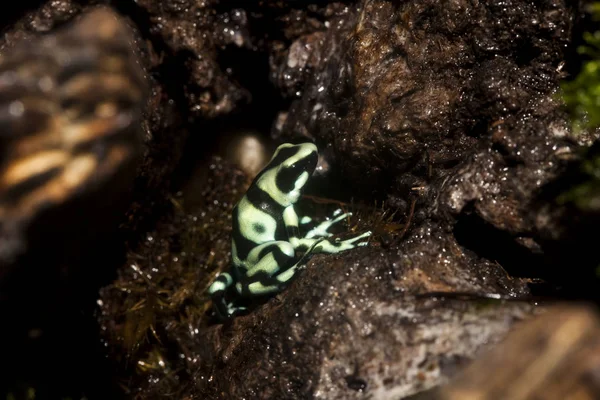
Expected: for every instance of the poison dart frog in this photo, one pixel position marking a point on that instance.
(265, 235)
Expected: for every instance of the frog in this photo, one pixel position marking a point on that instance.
(267, 249)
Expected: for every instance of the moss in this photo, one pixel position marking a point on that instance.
(582, 95)
(582, 98)
(153, 311)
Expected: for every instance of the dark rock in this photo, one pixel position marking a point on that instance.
(565, 216)
(193, 34)
(431, 260)
(346, 329)
(500, 181)
(405, 92)
(301, 55)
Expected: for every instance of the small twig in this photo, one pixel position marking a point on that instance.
(323, 200)
(410, 216)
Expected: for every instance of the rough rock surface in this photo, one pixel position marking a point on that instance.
(192, 33)
(453, 99)
(348, 329)
(386, 349)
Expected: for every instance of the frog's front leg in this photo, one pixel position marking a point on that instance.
(317, 235)
(322, 245)
(321, 230)
(291, 221)
(313, 246)
(270, 261)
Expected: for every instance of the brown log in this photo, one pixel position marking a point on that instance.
(555, 356)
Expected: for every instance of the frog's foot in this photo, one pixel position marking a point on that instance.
(224, 310)
(234, 310)
(348, 244)
(305, 220)
(321, 230)
(357, 238)
(230, 311)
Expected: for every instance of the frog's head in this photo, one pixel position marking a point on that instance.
(288, 171)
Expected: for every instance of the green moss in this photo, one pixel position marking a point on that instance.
(582, 95)
(582, 98)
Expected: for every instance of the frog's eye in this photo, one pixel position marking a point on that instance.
(295, 175)
(286, 178)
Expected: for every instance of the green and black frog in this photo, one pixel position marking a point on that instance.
(267, 249)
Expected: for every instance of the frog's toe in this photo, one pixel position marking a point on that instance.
(232, 309)
(364, 235)
(359, 237)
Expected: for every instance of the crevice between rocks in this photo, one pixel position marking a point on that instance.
(475, 234)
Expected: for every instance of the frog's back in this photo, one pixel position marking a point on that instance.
(257, 219)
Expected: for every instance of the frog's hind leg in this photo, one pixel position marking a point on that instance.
(321, 230)
(283, 277)
(217, 293)
(273, 259)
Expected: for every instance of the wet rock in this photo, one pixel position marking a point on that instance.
(394, 352)
(347, 329)
(500, 181)
(431, 260)
(411, 95)
(301, 55)
(193, 34)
